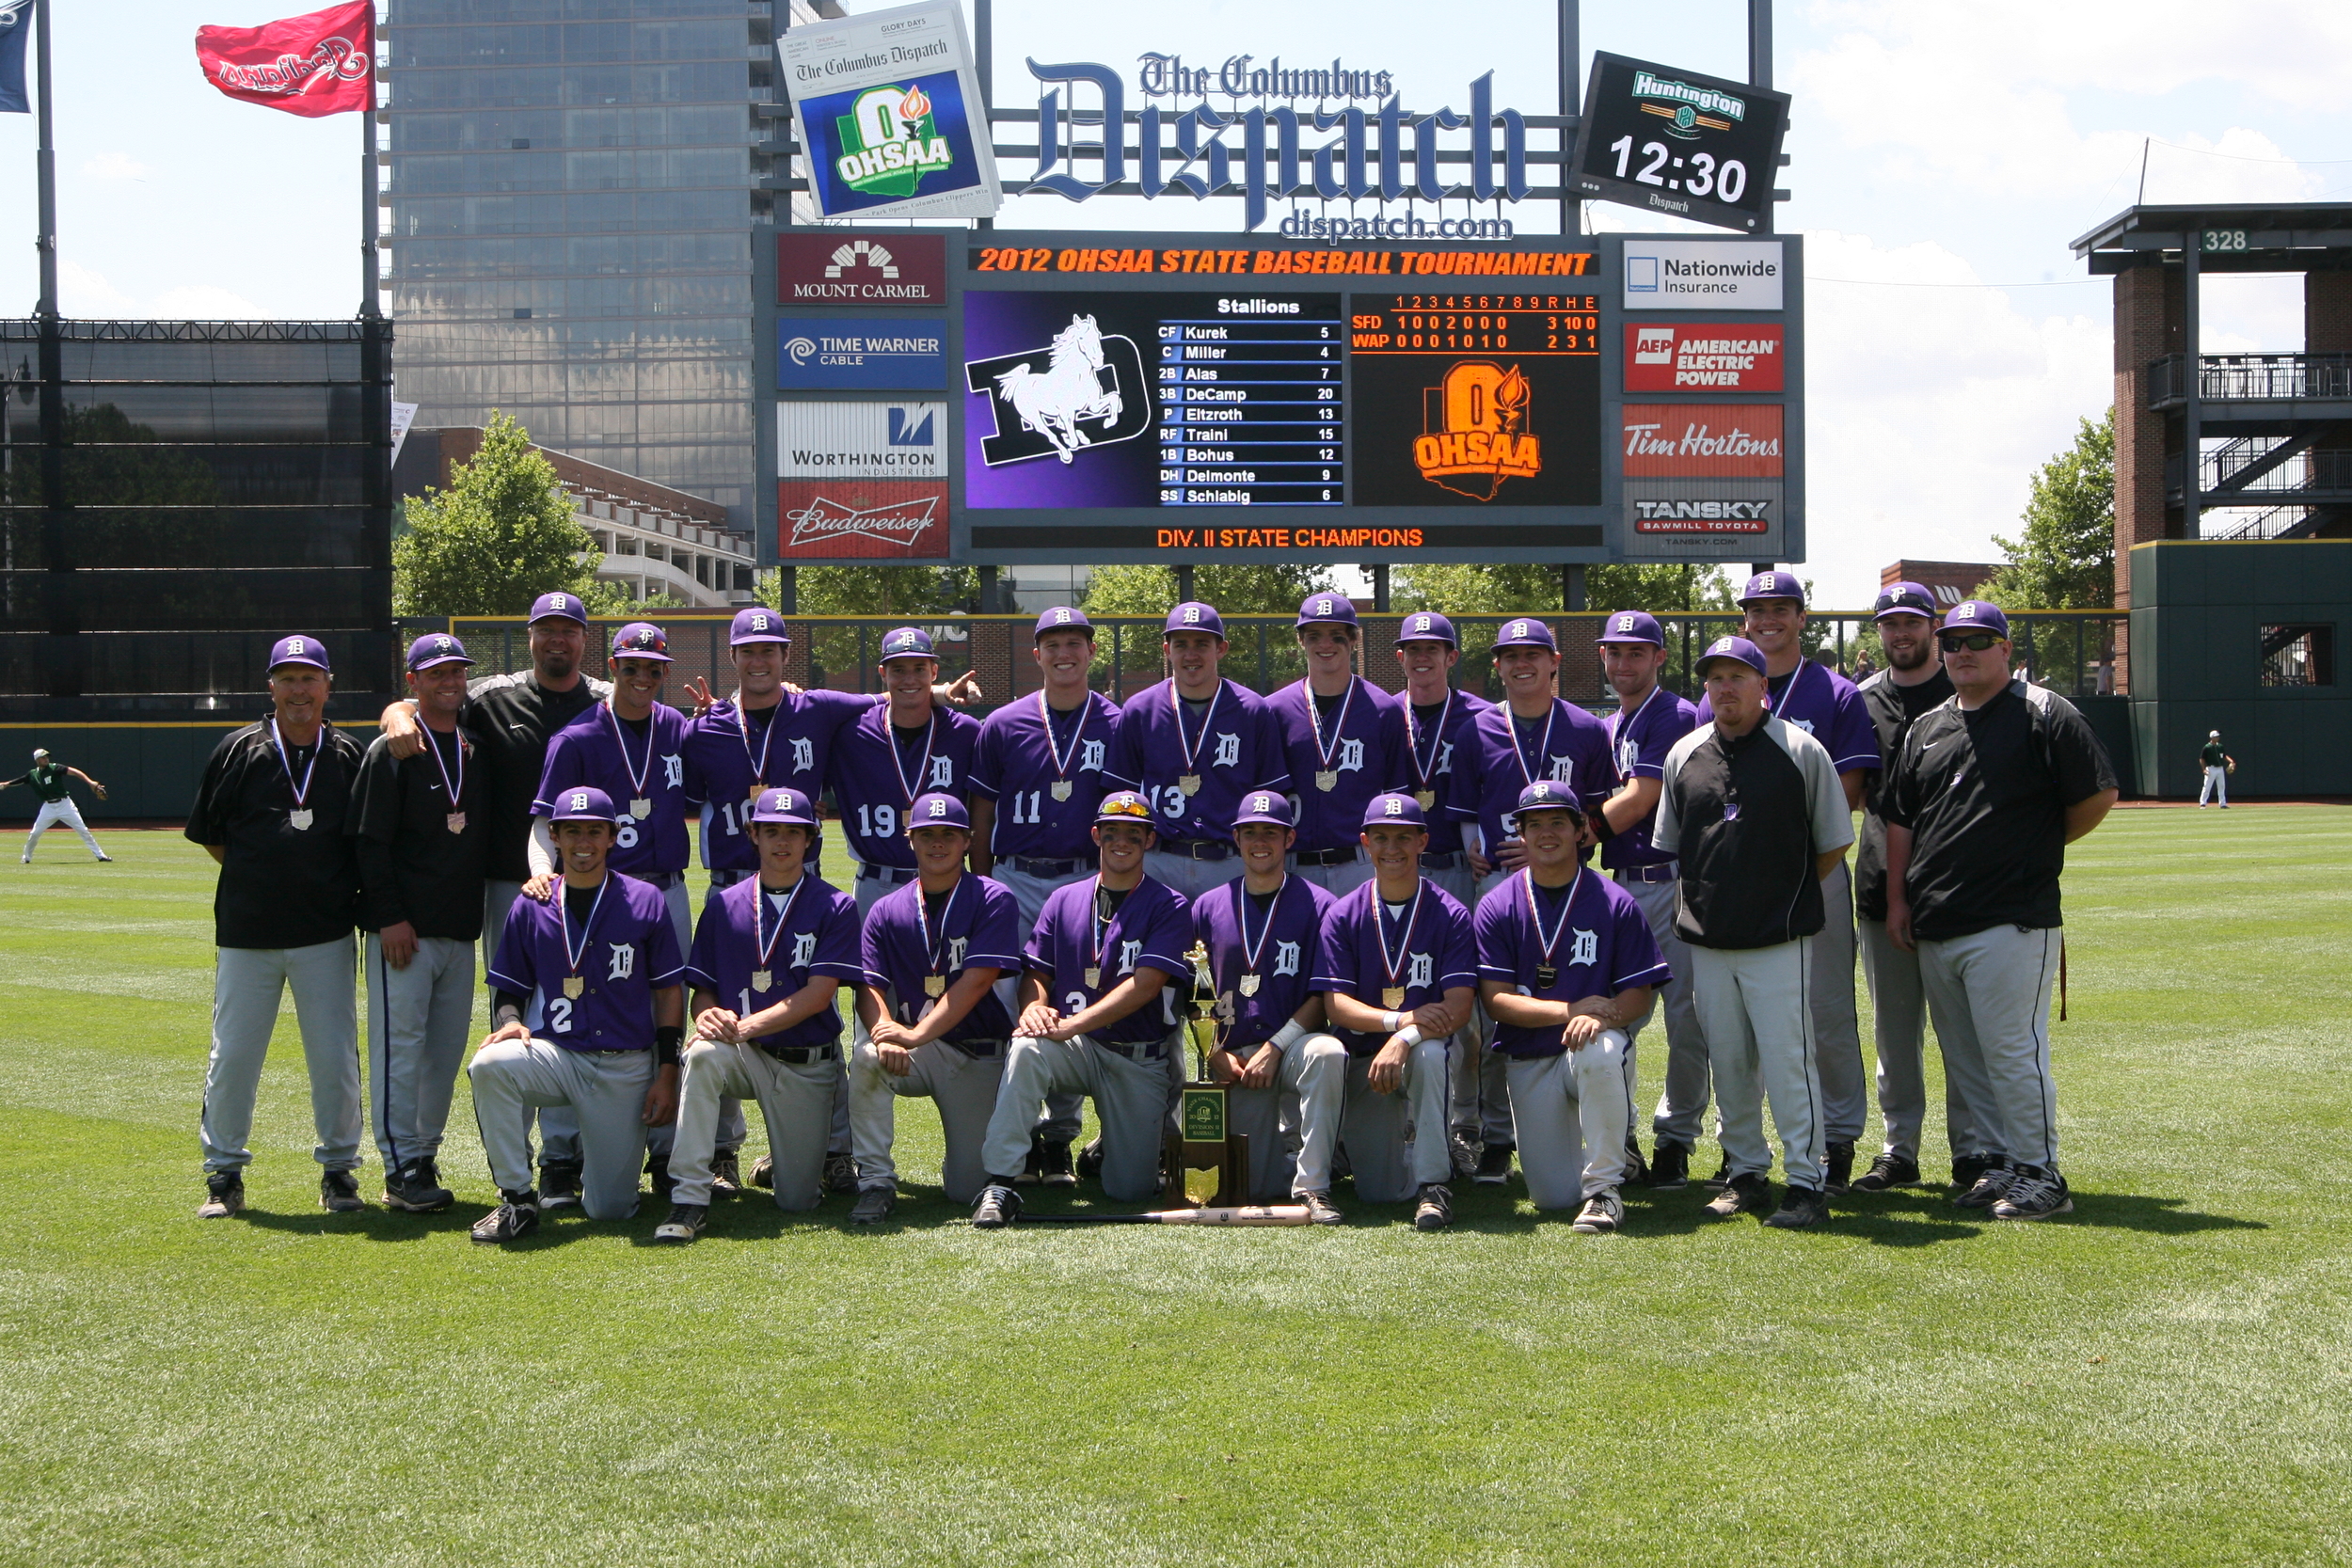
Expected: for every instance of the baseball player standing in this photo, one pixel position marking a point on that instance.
(590, 1014)
(2219, 764)
(1344, 742)
(53, 781)
(421, 838)
(273, 810)
(895, 751)
(1263, 931)
(1753, 807)
(1991, 788)
(1649, 721)
(1569, 968)
(1818, 700)
(768, 957)
(1192, 745)
(933, 1016)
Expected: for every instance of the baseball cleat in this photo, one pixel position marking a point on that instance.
(1990, 1189)
(1090, 1161)
(106, 860)
(516, 1216)
(1837, 1158)
(840, 1174)
(684, 1223)
(1741, 1194)
(1601, 1215)
(1054, 1165)
(1888, 1170)
(658, 1172)
(1435, 1210)
(2035, 1193)
(559, 1187)
(1721, 1177)
(224, 1194)
(874, 1205)
(1636, 1168)
(1966, 1168)
(1669, 1166)
(1465, 1151)
(1494, 1166)
(339, 1193)
(998, 1207)
(1033, 1165)
(764, 1173)
(726, 1173)
(416, 1189)
(1320, 1209)
(1800, 1207)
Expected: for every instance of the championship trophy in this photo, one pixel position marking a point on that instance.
(1206, 1164)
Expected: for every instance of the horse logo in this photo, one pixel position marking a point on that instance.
(1086, 389)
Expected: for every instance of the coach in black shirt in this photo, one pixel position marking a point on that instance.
(1754, 809)
(421, 836)
(273, 809)
(1988, 792)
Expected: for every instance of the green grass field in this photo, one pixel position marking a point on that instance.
(2162, 1377)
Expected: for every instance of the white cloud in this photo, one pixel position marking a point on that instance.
(205, 302)
(113, 165)
(93, 295)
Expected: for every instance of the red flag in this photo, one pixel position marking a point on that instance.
(319, 64)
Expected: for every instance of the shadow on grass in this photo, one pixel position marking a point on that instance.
(2163, 1216)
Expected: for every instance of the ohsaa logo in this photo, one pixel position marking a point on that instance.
(889, 142)
(1482, 438)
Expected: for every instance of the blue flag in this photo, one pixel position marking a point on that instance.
(16, 30)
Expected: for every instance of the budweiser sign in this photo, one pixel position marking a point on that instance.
(319, 64)
(873, 520)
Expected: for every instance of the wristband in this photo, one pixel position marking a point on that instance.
(667, 1038)
(1410, 1034)
(1391, 1023)
(1288, 1036)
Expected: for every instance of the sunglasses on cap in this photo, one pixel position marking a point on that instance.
(1134, 809)
(1975, 641)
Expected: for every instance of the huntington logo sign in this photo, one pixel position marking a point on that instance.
(1688, 109)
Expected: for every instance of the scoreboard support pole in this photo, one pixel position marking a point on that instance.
(1572, 586)
(1379, 590)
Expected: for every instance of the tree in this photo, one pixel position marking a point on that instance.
(1532, 587)
(915, 591)
(1234, 590)
(500, 536)
(2066, 558)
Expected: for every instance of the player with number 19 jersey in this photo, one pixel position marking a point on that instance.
(879, 768)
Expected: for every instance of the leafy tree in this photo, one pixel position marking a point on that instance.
(500, 536)
(2065, 559)
(1234, 590)
(920, 592)
(1509, 588)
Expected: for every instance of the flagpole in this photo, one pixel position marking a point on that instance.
(45, 165)
(368, 303)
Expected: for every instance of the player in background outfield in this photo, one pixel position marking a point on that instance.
(1531, 735)
(1913, 682)
(273, 810)
(1569, 968)
(1990, 789)
(53, 781)
(2219, 764)
(1818, 700)
(418, 829)
(1037, 775)
(1753, 808)
(1193, 746)
(1344, 742)
(1649, 721)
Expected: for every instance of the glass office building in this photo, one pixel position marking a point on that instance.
(573, 189)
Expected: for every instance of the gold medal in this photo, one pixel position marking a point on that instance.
(1249, 985)
(1188, 782)
(1546, 977)
(758, 789)
(641, 808)
(761, 979)
(1062, 789)
(1093, 977)
(300, 820)
(573, 985)
(1326, 779)
(1392, 998)
(934, 984)
(1425, 798)
(457, 822)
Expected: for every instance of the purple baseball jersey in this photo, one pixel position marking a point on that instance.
(1277, 944)
(1430, 946)
(1825, 705)
(788, 937)
(1600, 944)
(789, 743)
(1358, 742)
(1638, 744)
(1507, 754)
(1152, 929)
(877, 775)
(1433, 742)
(600, 749)
(626, 950)
(1025, 750)
(1236, 746)
(977, 927)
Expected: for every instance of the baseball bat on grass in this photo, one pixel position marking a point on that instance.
(1278, 1213)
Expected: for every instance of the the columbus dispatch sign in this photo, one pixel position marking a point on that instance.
(887, 109)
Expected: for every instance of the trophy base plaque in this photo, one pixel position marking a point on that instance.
(1204, 1165)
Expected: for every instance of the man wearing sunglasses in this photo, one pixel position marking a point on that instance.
(1988, 790)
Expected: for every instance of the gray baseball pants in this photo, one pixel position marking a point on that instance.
(1681, 1114)
(419, 1021)
(1836, 1026)
(247, 983)
(1065, 1114)
(1572, 1112)
(1899, 1008)
(1187, 875)
(1337, 881)
(966, 1089)
(605, 1092)
(795, 1101)
(1482, 1084)
(1759, 1043)
(1313, 1070)
(1395, 1142)
(1990, 993)
(1132, 1100)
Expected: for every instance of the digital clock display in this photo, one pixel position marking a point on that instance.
(1674, 141)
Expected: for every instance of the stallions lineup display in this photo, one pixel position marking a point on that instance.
(1416, 977)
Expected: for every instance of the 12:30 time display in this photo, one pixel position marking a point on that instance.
(1725, 181)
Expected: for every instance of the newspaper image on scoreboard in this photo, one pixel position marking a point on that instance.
(887, 109)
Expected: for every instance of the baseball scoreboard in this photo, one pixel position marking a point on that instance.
(997, 398)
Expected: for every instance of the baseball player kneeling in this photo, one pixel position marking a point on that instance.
(770, 954)
(590, 1014)
(1567, 965)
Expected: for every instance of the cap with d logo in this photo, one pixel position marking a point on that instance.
(1427, 626)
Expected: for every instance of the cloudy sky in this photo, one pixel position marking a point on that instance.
(1944, 155)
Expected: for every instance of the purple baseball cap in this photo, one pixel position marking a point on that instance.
(641, 640)
(1327, 609)
(436, 647)
(907, 643)
(1192, 615)
(1125, 805)
(1740, 648)
(299, 650)
(1392, 808)
(1903, 599)
(783, 805)
(1549, 794)
(1062, 618)
(1633, 625)
(1427, 626)
(1975, 615)
(938, 811)
(1526, 633)
(1774, 585)
(583, 803)
(758, 625)
(565, 607)
(1265, 805)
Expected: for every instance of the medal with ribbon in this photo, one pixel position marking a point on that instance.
(1190, 780)
(1327, 776)
(299, 818)
(1424, 769)
(764, 975)
(922, 769)
(1060, 754)
(1392, 995)
(1547, 972)
(1098, 933)
(935, 983)
(454, 788)
(573, 953)
(640, 803)
(767, 737)
(1250, 950)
